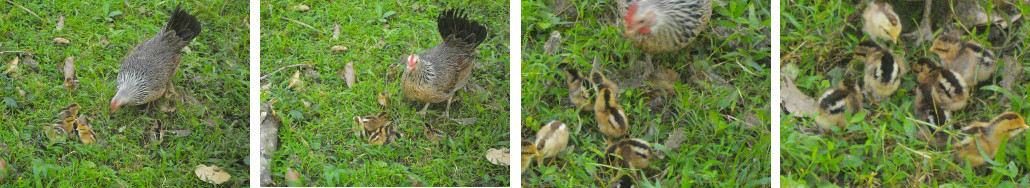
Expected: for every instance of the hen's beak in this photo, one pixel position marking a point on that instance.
(114, 106)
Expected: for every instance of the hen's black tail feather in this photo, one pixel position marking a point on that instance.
(454, 24)
(185, 25)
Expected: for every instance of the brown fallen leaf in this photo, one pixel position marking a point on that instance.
(212, 174)
(295, 81)
(336, 31)
(63, 41)
(348, 74)
(71, 83)
(301, 8)
(794, 101)
(339, 48)
(4, 170)
(675, 139)
(60, 22)
(103, 41)
(179, 133)
(293, 178)
(498, 156)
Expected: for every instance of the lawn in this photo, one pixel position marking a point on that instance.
(212, 80)
(879, 148)
(317, 109)
(722, 106)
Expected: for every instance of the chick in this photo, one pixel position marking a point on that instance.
(384, 99)
(635, 153)
(578, 93)
(371, 123)
(599, 81)
(611, 118)
(836, 102)
(551, 139)
(970, 59)
(865, 49)
(384, 134)
(432, 134)
(883, 74)
(880, 21)
(86, 134)
(528, 152)
(987, 137)
(949, 90)
(927, 110)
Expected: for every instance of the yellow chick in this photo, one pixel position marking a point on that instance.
(970, 59)
(432, 134)
(635, 153)
(528, 152)
(836, 102)
(384, 99)
(880, 21)
(987, 137)
(578, 94)
(611, 118)
(949, 90)
(883, 74)
(599, 81)
(551, 139)
(384, 134)
(86, 134)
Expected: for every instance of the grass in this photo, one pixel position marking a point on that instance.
(214, 73)
(316, 137)
(883, 150)
(720, 149)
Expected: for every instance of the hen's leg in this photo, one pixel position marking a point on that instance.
(924, 33)
(423, 111)
(447, 111)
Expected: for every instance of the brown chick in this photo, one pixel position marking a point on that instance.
(528, 152)
(836, 102)
(67, 117)
(436, 74)
(371, 123)
(987, 137)
(635, 153)
(384, 99)
(880, 21)
(432, 134)
(883, 74)
(949, 90)
(578, 94)
(970, 59)
(611, 118)
(551, 139)
(599, 80)
(385, 134)
(928, 111)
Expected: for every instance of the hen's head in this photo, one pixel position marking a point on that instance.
(412, 61)
(639, 19)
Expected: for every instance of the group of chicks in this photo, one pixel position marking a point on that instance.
(379, 129)
(941, 87)
(598, 94)
(71, 125)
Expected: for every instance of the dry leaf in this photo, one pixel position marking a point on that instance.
(553, 44)
(63, 41)
(4, 170)
(795, 102)
(103, 41)
(292, 178)
(415, 181)
(30, 64)
(464, 121)
(186, 50)
(71, 83)
(295, 80)
(13, 67)
(339, 48)
(179, 133)
(348, 74)
(212, 174)
(20, 91)
(60, 22)
(301, 8)
(336, 31)
(498, 156)
(675, 139)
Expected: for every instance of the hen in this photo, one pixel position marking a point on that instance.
(436, 74)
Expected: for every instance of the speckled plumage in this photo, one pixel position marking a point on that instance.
(439, 72)
(146, 73)
(676, 24)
